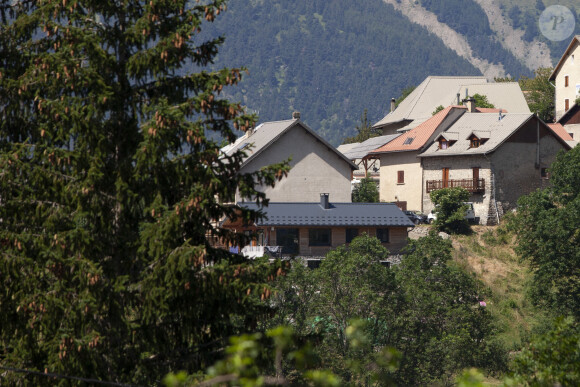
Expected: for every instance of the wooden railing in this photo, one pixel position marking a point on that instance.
(472, 185)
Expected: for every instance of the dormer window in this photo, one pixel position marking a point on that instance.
(474, 142)
(443, 143)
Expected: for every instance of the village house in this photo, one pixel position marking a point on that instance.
(566, 78)
(401, 173)
(497, 157)
(316, 166)
(313, 229)
(437, 91)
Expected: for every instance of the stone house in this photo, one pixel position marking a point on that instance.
(497, 157)
(401, 172)
(566, 78)
(313, 229)
(316, 166)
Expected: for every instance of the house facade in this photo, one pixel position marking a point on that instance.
(316, 166)
(313, 229)
(401, 173)
(566, 78)
(498, 158)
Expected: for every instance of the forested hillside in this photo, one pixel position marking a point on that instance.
(329, 60)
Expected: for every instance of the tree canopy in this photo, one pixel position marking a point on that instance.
(110, 174)
(546, 226)
(366, 191)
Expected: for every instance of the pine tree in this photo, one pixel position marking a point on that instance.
(110, 174)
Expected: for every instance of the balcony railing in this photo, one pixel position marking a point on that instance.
(472, 185)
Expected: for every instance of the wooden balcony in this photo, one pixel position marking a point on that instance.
(472, 185)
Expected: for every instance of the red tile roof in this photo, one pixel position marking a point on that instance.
(419, 134)
(560, 131)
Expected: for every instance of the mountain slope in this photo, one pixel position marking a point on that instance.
(328, 59)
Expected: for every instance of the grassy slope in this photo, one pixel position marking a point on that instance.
(488, 254)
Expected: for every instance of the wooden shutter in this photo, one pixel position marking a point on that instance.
(400, 177)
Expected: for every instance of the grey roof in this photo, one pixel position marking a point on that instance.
(339, 214)
(361, 149)
(485, 124)
(435, 91)
(257, 140)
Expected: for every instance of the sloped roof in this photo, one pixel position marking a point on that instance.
(255, 141)
(339, 214)
(362, 149)
(499, 131)
(575, 40)
(437, 91)
(416, 138)
(507, 96)
(562, 133)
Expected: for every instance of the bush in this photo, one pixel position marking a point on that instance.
(450, 210)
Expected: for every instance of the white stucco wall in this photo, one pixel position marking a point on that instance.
(570, 67)
(315, 169)
(410, 191)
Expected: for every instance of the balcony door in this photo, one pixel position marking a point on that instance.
(445, 178)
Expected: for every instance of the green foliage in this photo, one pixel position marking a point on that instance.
(110, 174)
(441, 313)
(482, 101)
(426, 298)
(364, 131)
(546, 227)
(437, 109)
(450, 210)
(539, 93)
(551, 359)
(366, 191)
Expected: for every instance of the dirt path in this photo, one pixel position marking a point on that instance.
(455, 41)
(532, 54)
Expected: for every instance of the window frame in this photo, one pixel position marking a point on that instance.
(400, 177)
(380, 234)
(316, 239)
(348, 237)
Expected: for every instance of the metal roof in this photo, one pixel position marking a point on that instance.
(497, 130)
(362, 149)
(339, 214)
(437, 91)
(256, 140)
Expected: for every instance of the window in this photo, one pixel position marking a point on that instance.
(383, 235)
(566, 80)
(400, 177)
(443, 143)
(571, 135)
(409, 140)
(474, 142)
(544, 173)
(566, 104)
(319, 237)
(351, 233)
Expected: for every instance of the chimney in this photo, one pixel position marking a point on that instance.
(324, 203)
(393, 105)
(296, 115)
(500, 116)
(470, 103)
(458, 99)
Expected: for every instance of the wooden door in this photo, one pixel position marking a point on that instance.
(445, 177)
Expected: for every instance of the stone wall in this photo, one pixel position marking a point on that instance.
(460, 167)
